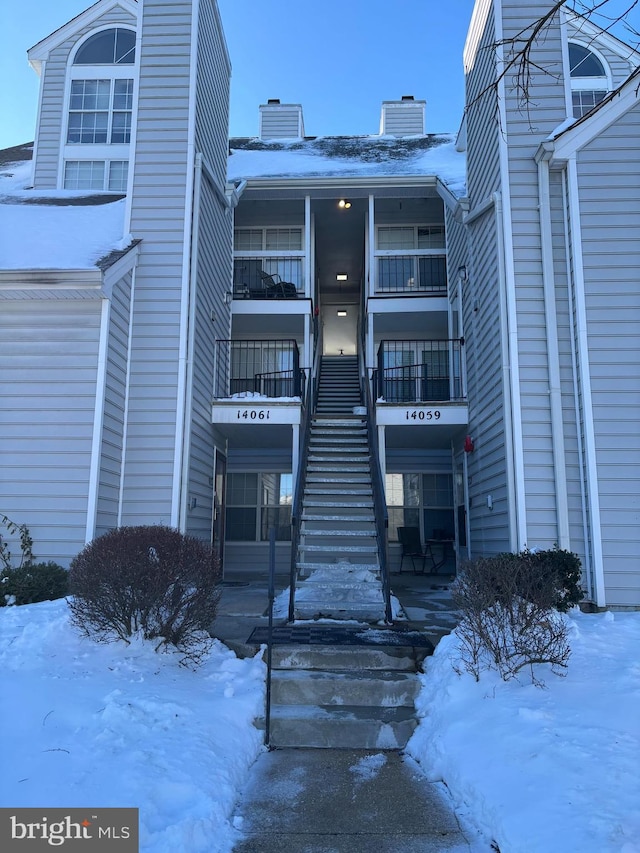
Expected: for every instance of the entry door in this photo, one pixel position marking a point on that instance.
(220, 479)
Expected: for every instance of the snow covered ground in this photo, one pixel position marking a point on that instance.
(115, 725)
(551, 770)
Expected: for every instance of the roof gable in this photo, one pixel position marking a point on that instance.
(40, 51)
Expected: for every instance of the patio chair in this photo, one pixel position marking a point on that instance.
(413, 548)
(276, 288)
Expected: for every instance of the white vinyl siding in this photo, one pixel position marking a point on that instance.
(609, 174)
(49, 354)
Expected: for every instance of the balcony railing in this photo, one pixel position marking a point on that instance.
(268, 277)
(412, 274)
(419, 371)
(266, 368)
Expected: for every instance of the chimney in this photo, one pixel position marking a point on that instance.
(405, 117)
(281, 121)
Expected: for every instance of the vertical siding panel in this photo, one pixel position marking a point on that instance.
(159, 208)
(114, 408)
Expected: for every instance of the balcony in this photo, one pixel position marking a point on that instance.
(411, 275)
(419, 371)
(268, 277)
(258, 368)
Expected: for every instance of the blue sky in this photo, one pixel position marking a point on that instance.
(338, 58)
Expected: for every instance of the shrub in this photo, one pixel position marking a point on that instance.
(509, 610)
(33, 582)
(148, 579)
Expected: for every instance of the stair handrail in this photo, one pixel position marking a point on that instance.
(379, 500)
(308, 408)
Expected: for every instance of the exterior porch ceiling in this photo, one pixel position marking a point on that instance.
(260, 325)
(266, 437)
(430, 325)
(265, 189)
(422, 437)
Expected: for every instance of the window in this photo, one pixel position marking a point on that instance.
(96, 175)
(110, 47)
(268, 239)
(100, 111)
(421, 500)
(257, 502)
(411, 259)
(589, 79)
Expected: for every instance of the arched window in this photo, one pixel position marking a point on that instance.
(110, 47)
(589, 79)
(100, 109)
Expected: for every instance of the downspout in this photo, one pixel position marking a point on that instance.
(582, 344)
(98, 421)
(553, 357)
(514, 543)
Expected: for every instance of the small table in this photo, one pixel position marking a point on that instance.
(447, 549)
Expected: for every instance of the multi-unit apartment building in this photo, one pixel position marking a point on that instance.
(485, 290)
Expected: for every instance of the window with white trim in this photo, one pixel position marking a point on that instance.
(96, 175)
(421, 500)
(589, 79)
(268, 239)
(255, 502)
(100, 111)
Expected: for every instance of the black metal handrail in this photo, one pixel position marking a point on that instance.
(240, 364)
(434, 372)
(379, 499)
(301, 477)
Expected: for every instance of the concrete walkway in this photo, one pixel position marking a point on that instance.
(343, 801)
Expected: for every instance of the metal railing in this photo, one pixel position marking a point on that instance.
(301, 478)
(253, 367)
(379, 498)
(419, 371)
(268, 277)
(412, 274)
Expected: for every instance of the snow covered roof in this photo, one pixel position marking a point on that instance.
(350, 156)
(55, 229)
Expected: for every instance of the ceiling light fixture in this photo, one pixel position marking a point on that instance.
(342, 276)
(342, 313)
(344, 203)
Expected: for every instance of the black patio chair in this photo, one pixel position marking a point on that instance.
(276, 288)
(413, 548)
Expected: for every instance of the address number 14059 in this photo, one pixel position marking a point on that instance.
(422, 415)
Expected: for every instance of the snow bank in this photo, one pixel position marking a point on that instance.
(116, 725)
(543, 770)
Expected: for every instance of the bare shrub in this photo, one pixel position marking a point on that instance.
(508, 607)
(149, 579)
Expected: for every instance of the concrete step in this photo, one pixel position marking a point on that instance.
(382, 688)
(336, 458)
(346, 518)
(316, 503)
(348, 478)
(342, 728)
(334, 490)
(349, 658)
(338, 549)
(306, 567)
(336, 532)
(349, 611)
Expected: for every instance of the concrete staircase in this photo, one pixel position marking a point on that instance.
(354, 687)
(356, 697)
(338, 572)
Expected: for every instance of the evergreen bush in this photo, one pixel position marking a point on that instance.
(33, 582)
